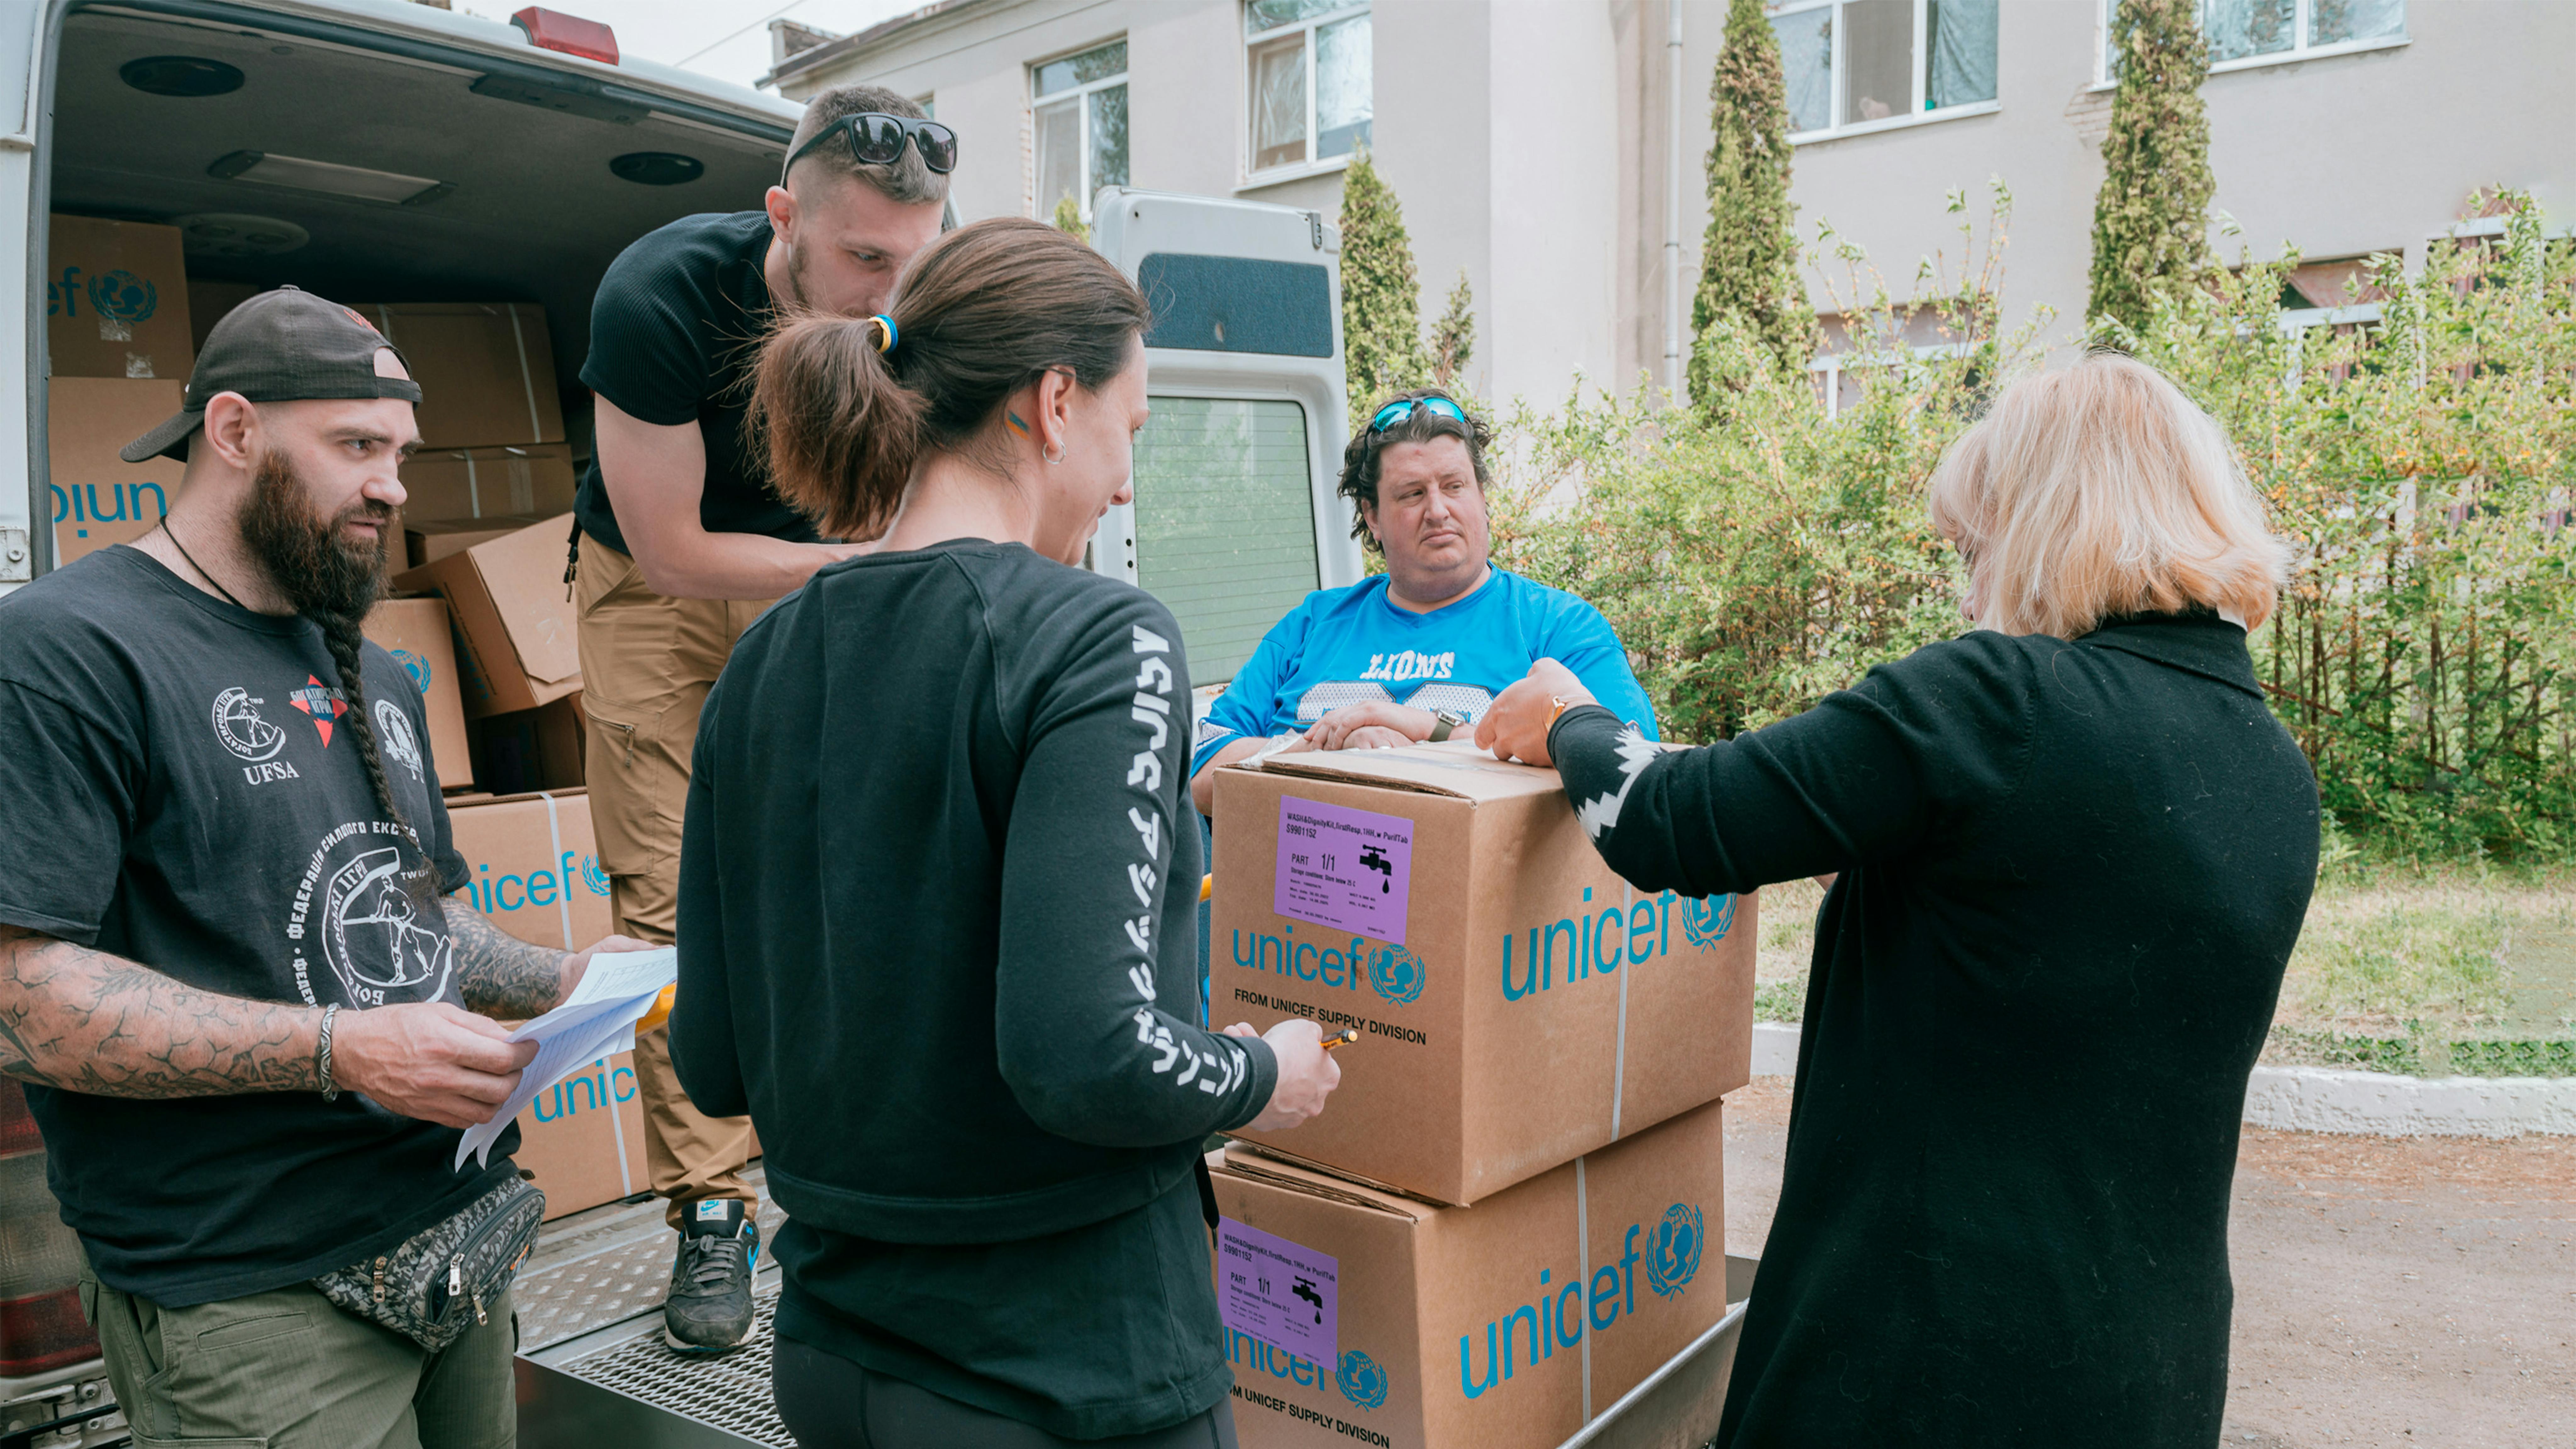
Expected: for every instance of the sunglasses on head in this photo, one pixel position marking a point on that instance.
(876, 139)
(1396, 412)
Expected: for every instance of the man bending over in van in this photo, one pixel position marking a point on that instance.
(681, 545)
(1418, 652)
(231, 975)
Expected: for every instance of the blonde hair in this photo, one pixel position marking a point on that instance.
(2100, 490)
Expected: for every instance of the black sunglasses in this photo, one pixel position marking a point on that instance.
(876, 139)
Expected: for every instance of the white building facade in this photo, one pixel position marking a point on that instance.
(1552, 149)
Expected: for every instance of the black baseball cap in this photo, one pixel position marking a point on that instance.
(282, 346)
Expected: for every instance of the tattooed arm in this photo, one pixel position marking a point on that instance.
(500, 974)
(88, 1021)
(503, 976)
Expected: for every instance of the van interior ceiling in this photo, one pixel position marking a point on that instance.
(484, 183)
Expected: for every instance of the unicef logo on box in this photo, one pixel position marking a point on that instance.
(1707, 921)
(1675, 1260)
(415, 666)
(1361, 1380)
(124, 296)
(1397, 974)
(592, 876)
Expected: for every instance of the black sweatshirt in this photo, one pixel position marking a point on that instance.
(937, 938)
(2072, 874)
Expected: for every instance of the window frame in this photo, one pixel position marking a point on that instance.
(1291, 171)
(1922, 56)
(1080, 97)
(2299, 51)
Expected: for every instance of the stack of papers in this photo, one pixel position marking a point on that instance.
(597, 1020)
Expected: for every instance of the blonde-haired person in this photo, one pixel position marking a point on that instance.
(2075, 850)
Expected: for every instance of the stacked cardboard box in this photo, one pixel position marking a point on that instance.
(514, 617)
(533, 869)
(416, 632)
(1525, 1145)
(116, 300)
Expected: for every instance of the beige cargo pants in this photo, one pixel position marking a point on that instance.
(646, 664)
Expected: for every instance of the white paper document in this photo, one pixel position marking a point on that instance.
(597, 1020)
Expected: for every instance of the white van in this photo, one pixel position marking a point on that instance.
(387, 152)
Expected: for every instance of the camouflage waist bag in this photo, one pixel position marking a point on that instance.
(438, 1282)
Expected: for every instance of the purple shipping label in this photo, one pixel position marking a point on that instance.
(1348, 869)
(1278, 1292)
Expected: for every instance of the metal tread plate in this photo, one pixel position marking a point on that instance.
(729, 1391)
(564, 1300)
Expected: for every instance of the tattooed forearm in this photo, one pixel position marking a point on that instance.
(88, 1021)
(501, 975)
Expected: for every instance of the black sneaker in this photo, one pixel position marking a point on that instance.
(709, 1309)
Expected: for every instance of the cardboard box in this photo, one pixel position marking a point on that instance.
(430, 540)
(512, 615)
(485, 369)
(116, 300)
(472, 483)
(98, 498)
(417, 633)
(582, 1140)
(535, 749)
(1519, 1004)
(533, 868)
(1507, 1325)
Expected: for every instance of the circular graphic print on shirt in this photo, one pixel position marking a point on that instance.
(239, 728)
(380, 941)
(394, 736)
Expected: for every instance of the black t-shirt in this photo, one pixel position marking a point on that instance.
(672, 339)
(182, 790)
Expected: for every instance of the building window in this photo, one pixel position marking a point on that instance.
(1307, 64)
(2266, 32)
(1861, 63)
(1081, 106)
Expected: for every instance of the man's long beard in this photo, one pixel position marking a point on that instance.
(321, 576)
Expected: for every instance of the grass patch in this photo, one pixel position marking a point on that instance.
(2439, 971)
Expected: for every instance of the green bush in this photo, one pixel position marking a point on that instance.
(2422, 464)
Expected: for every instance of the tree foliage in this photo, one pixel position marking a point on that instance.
(2151, 217)
(1382, 348)
(1750, 287)
(1452, 342)
(1068, 218)
(2422, 466)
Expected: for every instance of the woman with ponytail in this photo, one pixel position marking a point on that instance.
(937, 889)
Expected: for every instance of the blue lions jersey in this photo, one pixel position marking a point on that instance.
(1352, 646)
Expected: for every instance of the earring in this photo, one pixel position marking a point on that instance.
(1055, 457)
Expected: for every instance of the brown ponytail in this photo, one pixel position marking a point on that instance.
(981, 313)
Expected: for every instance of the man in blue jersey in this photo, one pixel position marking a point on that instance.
(1420, 651)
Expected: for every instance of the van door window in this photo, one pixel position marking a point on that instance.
(1225, 522)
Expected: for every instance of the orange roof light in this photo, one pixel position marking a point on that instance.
(570, 34)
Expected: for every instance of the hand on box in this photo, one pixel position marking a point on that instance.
(427, 1060)
(1307, 1073)
(1383, 722)
(1516, 726)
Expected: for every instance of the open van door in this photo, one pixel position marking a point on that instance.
(1235, 519)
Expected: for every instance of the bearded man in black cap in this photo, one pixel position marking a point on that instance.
(248, 1013)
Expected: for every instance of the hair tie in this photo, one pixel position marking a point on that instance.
(885, 342)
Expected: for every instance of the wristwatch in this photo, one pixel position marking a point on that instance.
(1444, 722)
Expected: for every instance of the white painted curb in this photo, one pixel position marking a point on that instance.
(2315, 1099)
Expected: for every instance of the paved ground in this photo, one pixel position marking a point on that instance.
(2388, 1291)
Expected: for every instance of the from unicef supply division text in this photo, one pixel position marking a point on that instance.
(1524, 1007)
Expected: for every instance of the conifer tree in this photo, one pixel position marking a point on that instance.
(1748, 280)
(1068, 218)
(2151, 220)
(1453, 337)
(1381, 295)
